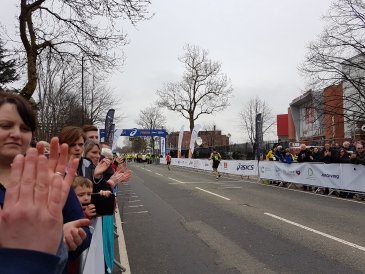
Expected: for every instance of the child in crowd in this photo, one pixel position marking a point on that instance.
(84, 188)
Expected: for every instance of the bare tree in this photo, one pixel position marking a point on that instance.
(204, 89)
(337, 58)
(151, 118)
(248, 118)
(138, 144)
(99, 99)
(59, 100)
(78, 29)
(56, 84)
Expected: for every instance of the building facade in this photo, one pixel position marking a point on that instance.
(210, 138)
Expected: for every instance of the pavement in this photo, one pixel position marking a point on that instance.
(120, 251)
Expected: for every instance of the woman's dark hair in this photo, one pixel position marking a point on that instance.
(23, 107)
(70, 134)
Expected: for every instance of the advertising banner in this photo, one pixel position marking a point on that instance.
(163, 146)
(337, 176)
(243, 168)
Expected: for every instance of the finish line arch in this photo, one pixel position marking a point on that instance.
(135, 132)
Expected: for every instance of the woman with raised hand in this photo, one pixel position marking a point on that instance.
(94, 169)
(32, 209)
(17, 125)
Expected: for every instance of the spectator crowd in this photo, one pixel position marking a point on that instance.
(336, 153)
(46, 226)
(348, 152)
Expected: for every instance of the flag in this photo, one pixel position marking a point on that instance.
(111, 135)
(194, 135)
(109, 130)
(181, 134)
(94, 263)
(117, 134)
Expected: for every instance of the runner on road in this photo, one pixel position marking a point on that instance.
(168, 160)
(216, 157)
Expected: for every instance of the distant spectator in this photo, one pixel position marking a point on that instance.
(304, 154)
(350, 148)
(358, 157)
(316, 155)
(343, 156)
(279, 154)
(288, 157)
(335, 151)
(326, 154)
(270, 156)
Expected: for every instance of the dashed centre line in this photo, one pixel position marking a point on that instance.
(175, 180)
(212, 193)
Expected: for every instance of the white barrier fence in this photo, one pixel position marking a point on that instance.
(243, 168)
(338, 176)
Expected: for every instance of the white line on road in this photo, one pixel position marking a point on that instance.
(134, 201)
(158, 174)
(137, 212)
(135, 205)
(225, 198)
(225, 187)
(175, 180)
(123, 256)
(317, 232)
(148, 170)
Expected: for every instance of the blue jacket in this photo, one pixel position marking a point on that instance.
(19, 261)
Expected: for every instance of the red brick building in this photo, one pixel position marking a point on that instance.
(316, 117)
(210, 138)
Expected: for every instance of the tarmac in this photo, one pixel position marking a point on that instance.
(121, 261)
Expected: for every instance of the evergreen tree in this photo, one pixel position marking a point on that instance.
(7, 67)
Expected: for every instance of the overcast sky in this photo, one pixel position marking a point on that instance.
(260, 44)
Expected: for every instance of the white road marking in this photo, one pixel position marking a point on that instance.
(137, 212)
(225, 187)
(175, 180)
(135, 206)
(121, 242)
(225, 198)
(317, 232)
(148, 170)
(158, 174)
(134, 201)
